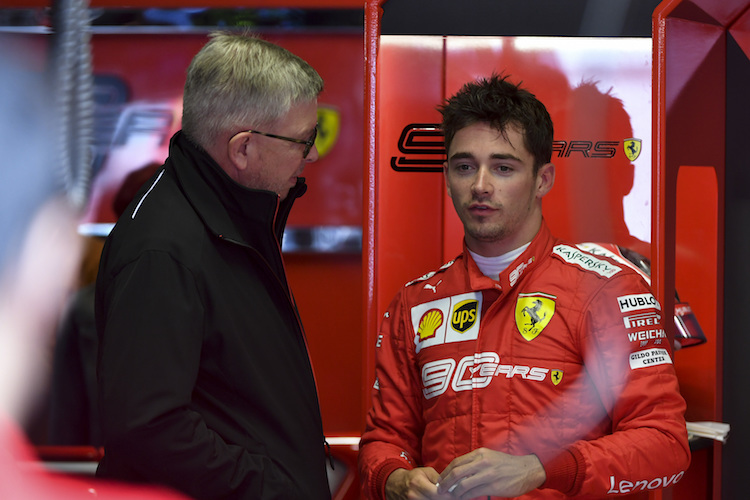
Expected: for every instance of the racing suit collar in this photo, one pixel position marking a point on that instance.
(537, 250)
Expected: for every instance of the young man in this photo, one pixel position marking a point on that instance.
(510, 372)
(205, 382)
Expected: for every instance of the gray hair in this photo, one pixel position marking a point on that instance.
(238, 81)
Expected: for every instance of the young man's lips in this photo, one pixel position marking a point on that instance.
(481, 208)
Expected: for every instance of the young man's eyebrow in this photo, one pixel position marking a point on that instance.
(495, 156)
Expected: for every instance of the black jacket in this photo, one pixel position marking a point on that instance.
(205, 382)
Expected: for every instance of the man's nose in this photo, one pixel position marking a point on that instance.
(482, 183)
(313, 155)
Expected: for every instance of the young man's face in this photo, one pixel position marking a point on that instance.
(494, 190)
(274, 164)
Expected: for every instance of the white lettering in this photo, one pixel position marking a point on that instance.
(637, 301)
(647, 335)
(586, 261)
(472, 372)
(517, 272)
(641, 320)
(625, 486)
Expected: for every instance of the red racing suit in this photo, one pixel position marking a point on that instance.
(564, 357)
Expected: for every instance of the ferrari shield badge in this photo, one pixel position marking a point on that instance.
(329, 124)
(632, 148)
(556, 376)
(534, 312)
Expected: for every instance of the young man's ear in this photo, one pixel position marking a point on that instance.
(545, 179)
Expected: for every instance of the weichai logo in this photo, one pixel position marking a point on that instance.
(464, 315)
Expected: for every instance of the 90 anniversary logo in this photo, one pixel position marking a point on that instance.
(423, 149)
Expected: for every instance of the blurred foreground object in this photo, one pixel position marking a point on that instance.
(39, 252)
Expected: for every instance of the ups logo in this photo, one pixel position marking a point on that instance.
(464, 315)
(424, 147)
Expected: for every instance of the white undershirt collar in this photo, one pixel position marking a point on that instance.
(493, 266)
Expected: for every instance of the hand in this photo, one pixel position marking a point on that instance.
(415, 484)
(487, 472)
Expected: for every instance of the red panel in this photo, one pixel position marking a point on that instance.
(152, 70)
(327, 289)
(696, 260)
(688, 220)
(408, 204)
(740, 31)
(149, 73)
(592, 123)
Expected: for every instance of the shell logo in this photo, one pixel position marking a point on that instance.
(429, 323)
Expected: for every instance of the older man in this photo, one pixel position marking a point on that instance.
(205, 379)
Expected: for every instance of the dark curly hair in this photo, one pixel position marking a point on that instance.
(500, 103)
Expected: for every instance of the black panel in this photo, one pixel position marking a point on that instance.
(736, 398)
(519, 17)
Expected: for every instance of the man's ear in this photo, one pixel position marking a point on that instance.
(545, 179)
(238, 149)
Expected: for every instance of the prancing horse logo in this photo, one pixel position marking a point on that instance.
(534, 312)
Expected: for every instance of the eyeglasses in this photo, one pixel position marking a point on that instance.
(308, 143)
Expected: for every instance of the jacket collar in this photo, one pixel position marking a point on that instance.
(539, 248)
(228, 209)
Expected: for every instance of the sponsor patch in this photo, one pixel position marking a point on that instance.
(642, 320)
(632, 485)
(586, 261)
(644, 335)
(649, 357)
(637, 302)
(533, 312)
(518, 271)
(429, 323)
(475, 371)
(556, 376)
(452, 319)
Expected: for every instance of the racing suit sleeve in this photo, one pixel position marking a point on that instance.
(631, 368)
(394, 425)
(151, 327)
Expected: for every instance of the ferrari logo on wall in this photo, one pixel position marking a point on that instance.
(534, 312)
(632, 148)
(329, 124)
